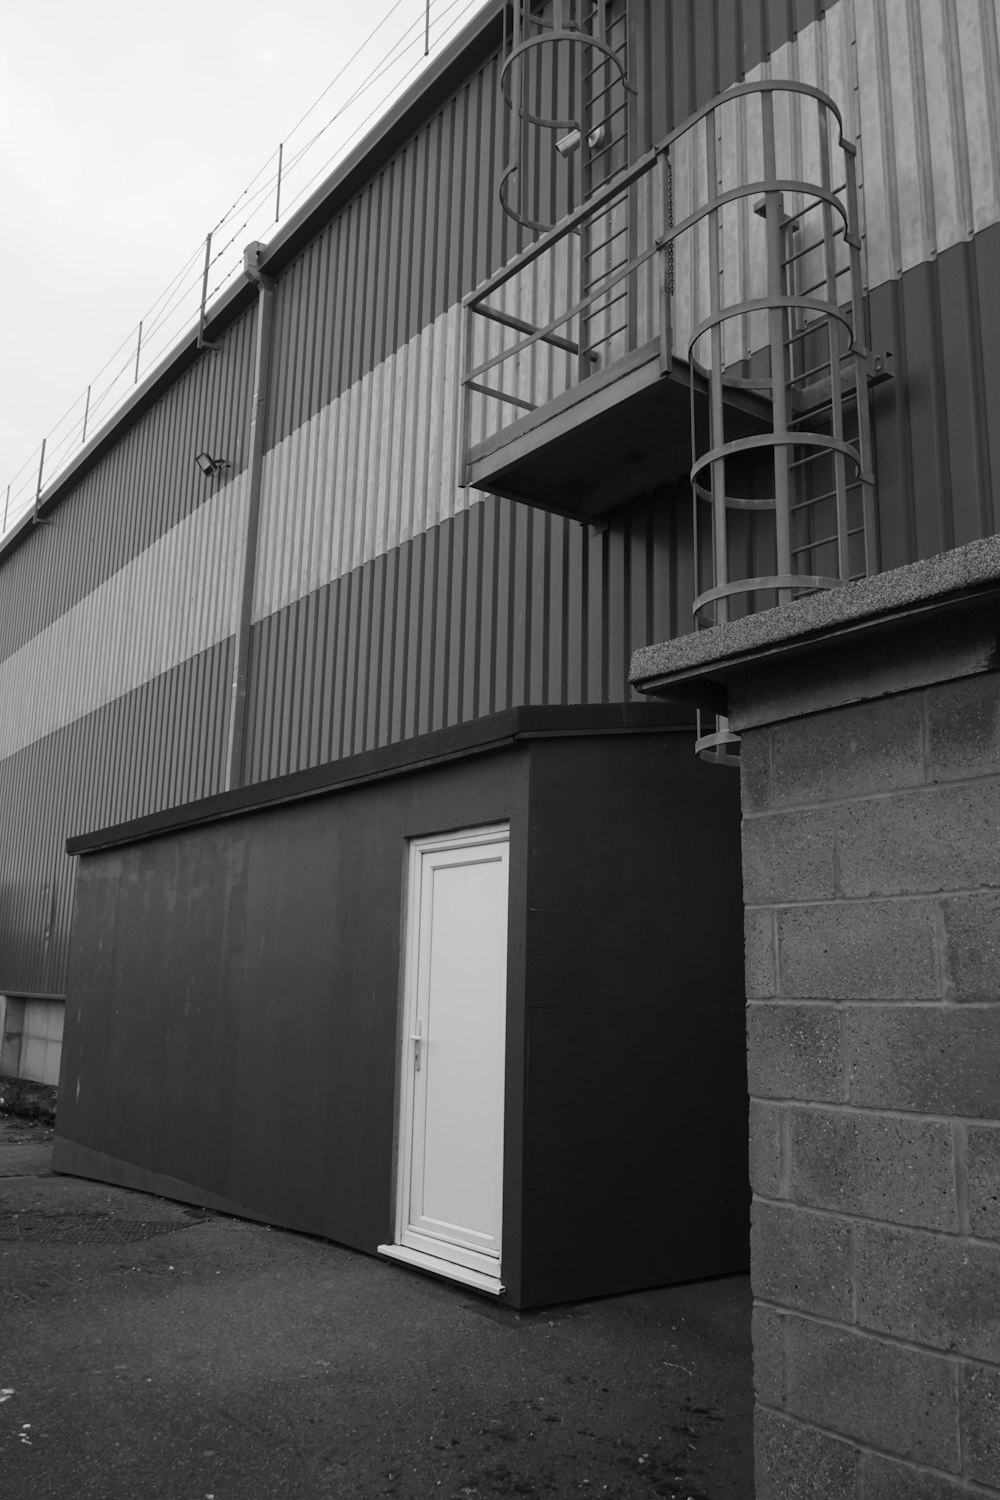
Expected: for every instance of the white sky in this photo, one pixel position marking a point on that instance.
(127, 129)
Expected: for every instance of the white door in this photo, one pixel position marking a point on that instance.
(450, 1188)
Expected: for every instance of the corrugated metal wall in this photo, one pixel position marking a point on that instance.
(918, 84)
(937, 423)
(500, 606)
(929, 96)
(152, 748)
(146, 484)
(390, 601)
(376, 466)
(111, 703)
(411, 244)
(429, 227)
(925, 115)
(172, 601)
(697, 48)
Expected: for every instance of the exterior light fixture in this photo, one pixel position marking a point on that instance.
(210, 466)
(567, 144)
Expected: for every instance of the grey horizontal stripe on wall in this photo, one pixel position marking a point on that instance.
(496, 607)
(146, 485)
(425, 231)
(429, 227)
(938, 461)
(499, 606)
(162, 744)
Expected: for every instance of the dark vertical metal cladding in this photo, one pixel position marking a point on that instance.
(138, 490)
(936, 423)
(599, 1020)
(427, 229)
(491, 606)
(213, 891)
(501, 605)
(162, 743)
(233, 914)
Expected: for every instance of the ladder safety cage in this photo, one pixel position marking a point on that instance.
(565, 74)
(743, 275)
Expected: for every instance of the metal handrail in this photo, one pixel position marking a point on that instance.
(787, 509)
(639, 168)
(559, 30)
(836, 371)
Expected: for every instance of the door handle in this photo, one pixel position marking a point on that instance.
(416, 1037)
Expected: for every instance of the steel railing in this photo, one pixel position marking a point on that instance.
(733, 256)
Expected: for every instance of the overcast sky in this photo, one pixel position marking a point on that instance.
(127, 129)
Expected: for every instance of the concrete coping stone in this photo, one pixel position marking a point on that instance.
(943, 580)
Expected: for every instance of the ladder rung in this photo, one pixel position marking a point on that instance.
(813, 456)
(812, 500)
(616, 234)
(605, 338)
(816, 326)
(606, 89)
(610, 300)
(823, 366)
(596, 288)
(804, 250)
(825, 541)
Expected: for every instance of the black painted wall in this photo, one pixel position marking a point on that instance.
(635, 1124)
(232, 1012)
(234, 996)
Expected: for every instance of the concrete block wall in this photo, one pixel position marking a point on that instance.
(872, 887)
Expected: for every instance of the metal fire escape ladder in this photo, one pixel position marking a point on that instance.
(806, 520)
(700, 312)
(565, 74)
(606, 244)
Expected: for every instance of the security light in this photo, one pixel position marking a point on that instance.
(567, 144)
(210, 466)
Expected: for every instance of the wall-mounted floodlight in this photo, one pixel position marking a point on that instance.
(210, 466)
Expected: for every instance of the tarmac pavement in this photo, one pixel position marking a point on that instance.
(150, 1351)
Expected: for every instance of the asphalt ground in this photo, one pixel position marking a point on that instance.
(150, 1351)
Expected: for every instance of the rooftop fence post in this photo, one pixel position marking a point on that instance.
(204, 291)
(38, 487)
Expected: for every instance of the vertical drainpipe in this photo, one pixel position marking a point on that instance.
(241, 664)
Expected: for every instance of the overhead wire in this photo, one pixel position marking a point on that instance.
(342, 145)
(165, 306)
(336, 77)
(352, 99)
(394, 55)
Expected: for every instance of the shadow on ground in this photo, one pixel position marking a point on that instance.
(156, 1352)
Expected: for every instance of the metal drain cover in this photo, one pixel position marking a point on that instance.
(87, 1226)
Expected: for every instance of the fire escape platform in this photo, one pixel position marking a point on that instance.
(620, 433)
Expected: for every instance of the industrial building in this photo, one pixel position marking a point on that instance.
(632, 317)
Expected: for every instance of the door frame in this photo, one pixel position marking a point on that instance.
(482, 1276)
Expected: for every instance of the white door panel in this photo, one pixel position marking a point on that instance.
(454, 1014)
